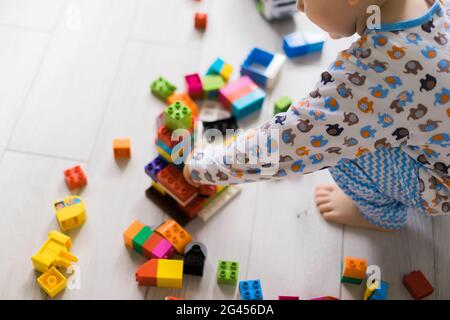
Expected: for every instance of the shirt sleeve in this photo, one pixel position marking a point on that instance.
(347, 115)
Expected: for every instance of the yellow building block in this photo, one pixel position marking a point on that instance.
(370, 290)
(52, 282)
(164, 154)
(55, 252)
(169, 274)
(70, 212)
(159, 188)
(131, 232)
(226, 72)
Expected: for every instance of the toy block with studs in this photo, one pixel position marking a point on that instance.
(75, 178)
(162, 88)
(211, 86)
(176, 185)
(301, 43)
(161, 273)
(353, 270)
(250, 290)
(221, 68)
(175, 234)
(52, 282)
(418, 285)
(177, 116)
(227, 272)
(194, 259)
(54, 253)
(122, 148)
(70, 212)
(185, 99)
(194, 85)
(201, 21)
(155, 166)
(132, 230)
(381, 292)
(282, 105)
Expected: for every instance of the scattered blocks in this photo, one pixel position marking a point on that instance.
(380, 293)
(54, 253)
(194, 259)
(418, 285)
(288, 298)
(52, 282)
(263, 67)
(211, 86)
(242, 97)
(282, 105)
(70, 212)
(227, 272)
(353, 270)
(75, 178)
(122, 148)
(155, 166)
(177, 116)
(161, 273)
(250, 290)
(175, 234)
(221, 68)
(194, 85)
(174, 184)
(162, 88)
(185, 99)
(301, 43)
(201, 21)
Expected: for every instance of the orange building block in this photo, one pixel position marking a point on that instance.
(122, 148)
(354, 268)
(201, 21)
(75, 178)
(131, 232)
(186, 100)
(175, 234)
(146, 275)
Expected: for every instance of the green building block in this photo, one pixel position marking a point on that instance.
(211, 86)
(177, 116)
(141, 238)
(162, 88)
(351, 280)
(282, 105)
(227, 272)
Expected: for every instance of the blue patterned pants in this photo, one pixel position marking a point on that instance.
(383, 184)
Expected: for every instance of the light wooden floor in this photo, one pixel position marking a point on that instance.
(75, 74)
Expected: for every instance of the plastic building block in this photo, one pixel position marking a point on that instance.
(282, 105)
(161, 273)
(369, 290)
(131, 232)
(54, 253)
(193, 207)
(75, 178)
(263, 67)
(52, 282)
(207, 190)
(122, 148)
(201, 21)
(194, 85)
(155, 166)
(156, 247)
(165, 136)
(146, 274)
(173, 181)
(277, 9)
(380, 293)
(211, 86)
(70, 212)
(250, 290)
(418, 285)
(185, 99)
(162, 88)
(249, 104)
(221, 68)
(140, 238)
(353, 270)
(227, 272)
(288, 298)
(175, 234)
(222, 125)
(301, 43)
(166, 156)
(194, 259)
(177, 116)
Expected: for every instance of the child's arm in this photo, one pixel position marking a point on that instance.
(347, 115)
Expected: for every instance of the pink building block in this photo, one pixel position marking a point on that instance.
(164, 250)
(236, 90)
(288, 298)
(194, 85)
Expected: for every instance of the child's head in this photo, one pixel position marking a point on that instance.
(340, 18)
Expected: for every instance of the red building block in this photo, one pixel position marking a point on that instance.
(146, 274)
(173, 181)
(201, 21)
(193, 207)
(418, 285)
(207, 191)
(75, 178)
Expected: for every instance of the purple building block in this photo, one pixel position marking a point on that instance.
(194, 85)
(155, 166)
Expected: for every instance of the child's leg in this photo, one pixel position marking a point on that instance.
(374, 191)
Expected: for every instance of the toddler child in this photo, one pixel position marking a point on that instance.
(378, 118)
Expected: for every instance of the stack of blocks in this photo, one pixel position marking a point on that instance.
(242, 97)
(353, 270)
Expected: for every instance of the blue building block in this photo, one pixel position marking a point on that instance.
(381, 293)
(216, 67)
(155, 166)
(248, 104)
(301, 43)
(250, 290)
(263, 67)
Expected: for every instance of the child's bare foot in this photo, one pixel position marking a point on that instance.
(337, 207)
